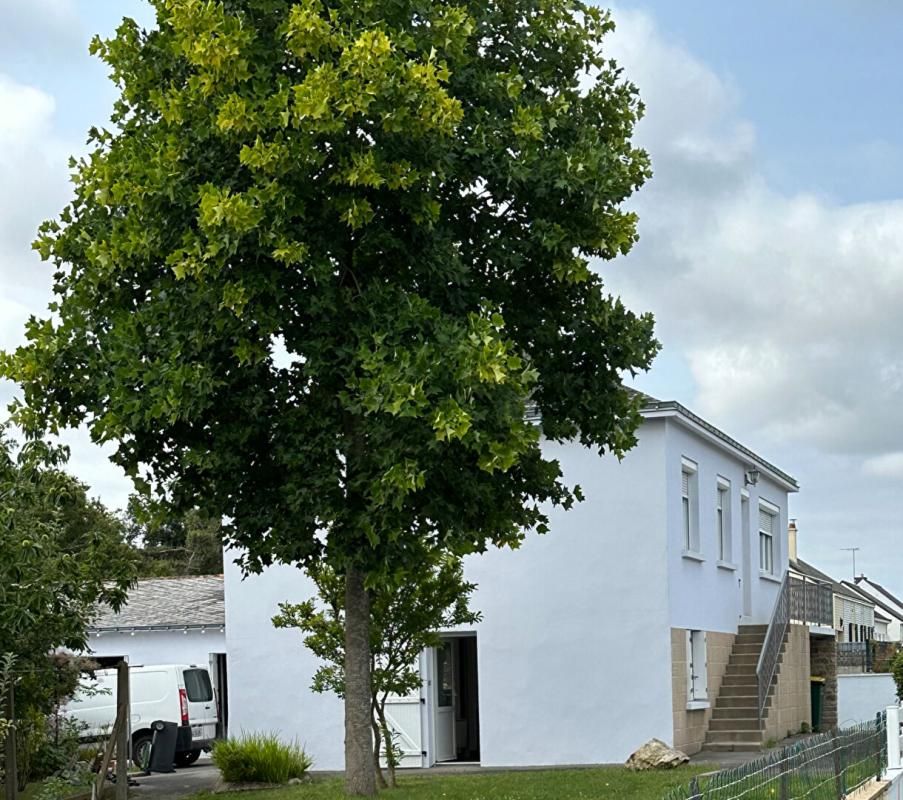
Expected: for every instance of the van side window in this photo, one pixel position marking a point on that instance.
(197, 685)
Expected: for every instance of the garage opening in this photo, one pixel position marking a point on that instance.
(458, 700)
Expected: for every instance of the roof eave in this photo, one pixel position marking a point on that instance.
(683, 415)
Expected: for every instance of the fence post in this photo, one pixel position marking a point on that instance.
(784, 756)
(694, 789)
(882, 740)
(122, 735)
(893, 737)
(838, 765)
(11, 774)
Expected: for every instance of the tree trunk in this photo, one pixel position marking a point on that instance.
(377, 741)
(390, 744)
(360, 778)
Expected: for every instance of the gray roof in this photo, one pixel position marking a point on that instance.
(876, 600)
(192, 601)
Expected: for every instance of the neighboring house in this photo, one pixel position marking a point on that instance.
(167, 621)
(625, 622)
(853, 612)
(882, 626)
(886, 602)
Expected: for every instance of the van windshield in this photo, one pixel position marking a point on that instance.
(197, 685)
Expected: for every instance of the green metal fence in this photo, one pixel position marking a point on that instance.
(828, 766)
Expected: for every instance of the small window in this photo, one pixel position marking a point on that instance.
(689, 505)
(697, 667)
(723, 519)
(197, 685)
(766, 541)
(444, 669)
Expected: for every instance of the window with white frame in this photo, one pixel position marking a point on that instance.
(697, 667)
(723, 519)
(689, 499)
(767, 529)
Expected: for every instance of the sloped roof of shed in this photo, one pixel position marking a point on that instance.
(192, 601)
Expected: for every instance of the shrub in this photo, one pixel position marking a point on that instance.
(260, 758)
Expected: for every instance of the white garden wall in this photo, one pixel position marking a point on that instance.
(861, 697)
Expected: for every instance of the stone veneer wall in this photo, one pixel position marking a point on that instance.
(823, 655)
(690, 727)
(791, 703)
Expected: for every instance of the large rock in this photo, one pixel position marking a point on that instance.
(655, 754)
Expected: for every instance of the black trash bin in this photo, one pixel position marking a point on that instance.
(163, 746)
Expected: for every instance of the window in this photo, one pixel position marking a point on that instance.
(689, 506)
(723, 519)
(697, 667)
(444, 669)
(767, 525)
(197, 685)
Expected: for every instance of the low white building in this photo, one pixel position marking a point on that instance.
(179, 620)
(616, 627)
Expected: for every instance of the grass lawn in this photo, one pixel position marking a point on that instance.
(577, 784)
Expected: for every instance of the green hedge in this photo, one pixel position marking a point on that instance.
(260, 758)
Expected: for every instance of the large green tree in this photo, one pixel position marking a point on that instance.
(168, 543)
(323, 258)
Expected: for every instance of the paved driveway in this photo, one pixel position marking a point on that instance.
(199, 777)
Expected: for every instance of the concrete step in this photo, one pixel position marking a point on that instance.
(760, 629)
(742, 735)
(747, 649)
(744, 659)
(741, 724)
(736, 700)
(739, 679)
(731, 747)
(735, 712)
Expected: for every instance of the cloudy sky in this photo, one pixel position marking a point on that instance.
(772, 233)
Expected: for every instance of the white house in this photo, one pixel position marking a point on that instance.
(615, 627)
(889, 604)
(179, 620)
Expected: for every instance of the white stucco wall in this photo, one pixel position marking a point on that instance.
(860, 697)
(574, 647)
(704, 595)
(160, 647)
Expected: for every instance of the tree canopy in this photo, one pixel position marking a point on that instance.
(324, 256)
(62, 555)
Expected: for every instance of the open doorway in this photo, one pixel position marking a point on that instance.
(457, 709)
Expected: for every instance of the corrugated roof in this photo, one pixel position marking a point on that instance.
(192, 601)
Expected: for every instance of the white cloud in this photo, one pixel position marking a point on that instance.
(34, 187)
(889, 465)
(35, 27)
(786, 305)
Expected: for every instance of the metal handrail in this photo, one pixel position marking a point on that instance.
(774, 641)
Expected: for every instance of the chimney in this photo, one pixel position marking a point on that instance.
(791, 540)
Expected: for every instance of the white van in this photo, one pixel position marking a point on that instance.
(179, 693)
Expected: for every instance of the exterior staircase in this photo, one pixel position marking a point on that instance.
(734, 724)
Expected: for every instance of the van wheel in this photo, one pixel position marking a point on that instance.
(188, 758)
(141, 749)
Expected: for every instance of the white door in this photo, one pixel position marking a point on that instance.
(403, 715)
(202, 714)
(445, 701)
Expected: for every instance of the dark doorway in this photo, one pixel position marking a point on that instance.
(467, 701)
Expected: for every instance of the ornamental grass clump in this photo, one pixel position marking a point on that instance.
(260, 758)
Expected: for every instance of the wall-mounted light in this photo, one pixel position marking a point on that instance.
(751, 477)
